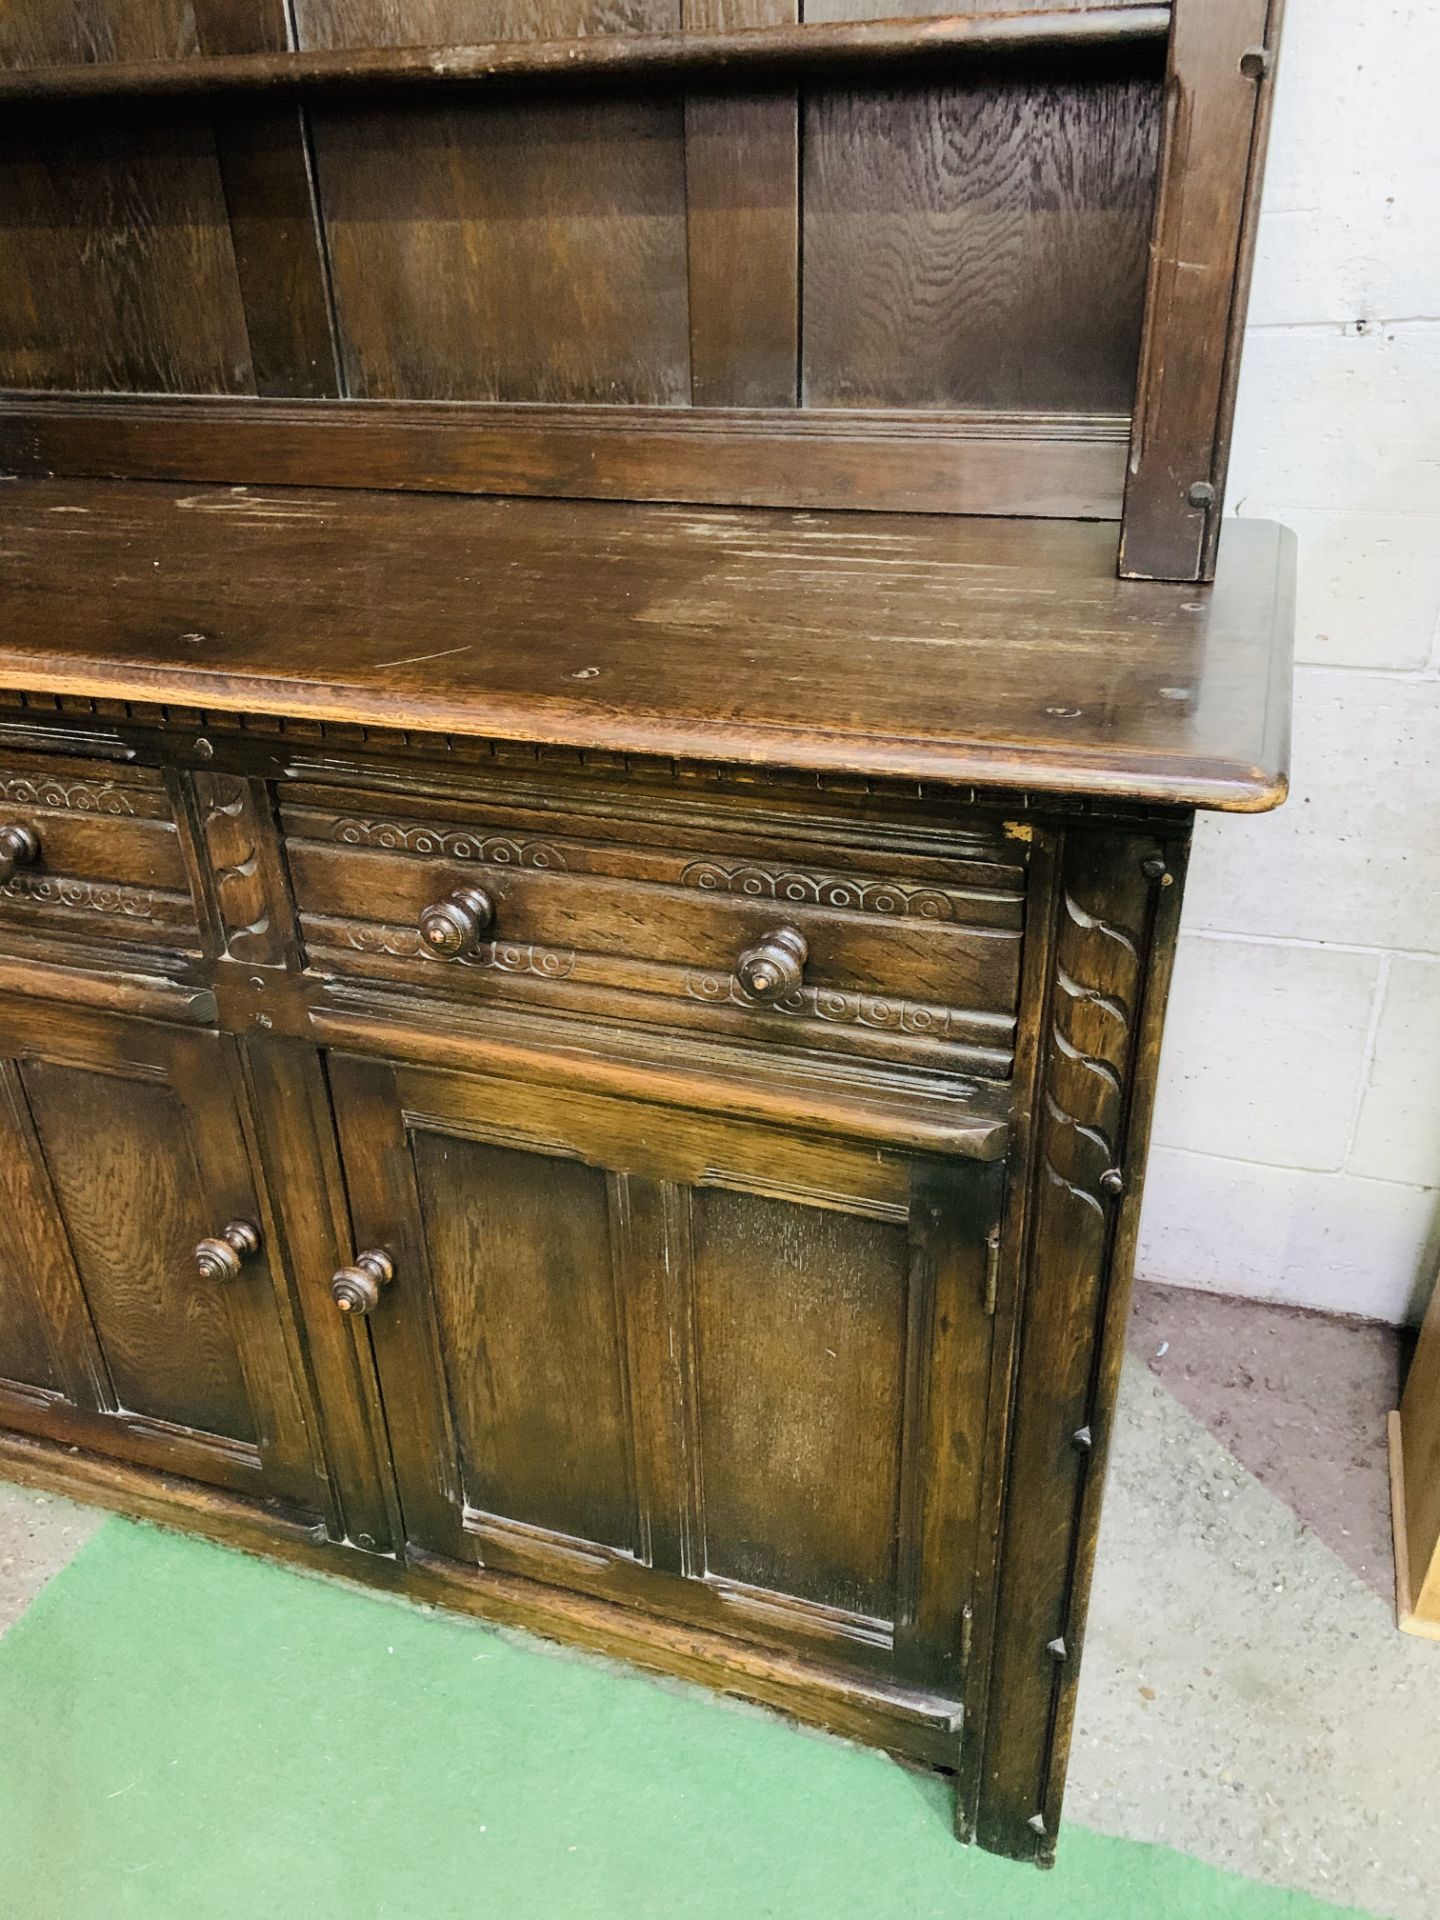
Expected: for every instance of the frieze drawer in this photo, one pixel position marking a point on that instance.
(899, 953)
(90, 849)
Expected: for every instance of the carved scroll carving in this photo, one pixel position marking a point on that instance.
(405, 943)
(852, 895)
(73, 796)
(1097, 976)
(496, 849)
(885, 1015)
(99, 896)
(232, 829)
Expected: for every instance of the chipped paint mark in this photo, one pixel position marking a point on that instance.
(1019, 830)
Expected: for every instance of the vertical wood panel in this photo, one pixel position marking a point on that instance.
(385, 1213)
(116, 258)
(1215, 123)
(955, 1209)
(977, 246)
(45, 33)
(800, 1324)
(520, 1267)
(46, 1337)
(297, 1148)
(650, 1235)
(530, 251)
(263, 149)
(742, 189)
(114, 248)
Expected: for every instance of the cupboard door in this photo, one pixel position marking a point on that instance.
(726, 1372)
(121, 1150)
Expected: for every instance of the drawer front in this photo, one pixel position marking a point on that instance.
(911, 943)
(99, 855)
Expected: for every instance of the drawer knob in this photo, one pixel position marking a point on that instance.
(452, 927)
(773, 967)
(222, 1259)
(357, 1289)
(19, 847)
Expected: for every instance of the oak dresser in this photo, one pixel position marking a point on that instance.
(612, 621)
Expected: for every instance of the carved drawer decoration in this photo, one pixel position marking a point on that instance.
(91, 850)
(899, 941)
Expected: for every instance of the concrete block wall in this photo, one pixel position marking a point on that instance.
(1297, 1135)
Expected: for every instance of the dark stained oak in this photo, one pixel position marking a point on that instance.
(127, 1142)
(1219, 88)
(563, 52)
(1044, 466)
(722, 635)
(591, 839)
(953, 233)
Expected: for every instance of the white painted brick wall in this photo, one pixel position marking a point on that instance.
(1297, 1136)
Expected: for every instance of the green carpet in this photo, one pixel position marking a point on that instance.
(188, 1733)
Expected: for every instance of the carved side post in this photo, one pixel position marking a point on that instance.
(1109, 925)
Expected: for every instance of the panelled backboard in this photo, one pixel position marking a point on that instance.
(817, 279)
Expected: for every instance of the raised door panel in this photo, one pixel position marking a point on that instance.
(124, 1149)
(724, 1372)
(523, 1284)
(122, 1164)
(800, 1326)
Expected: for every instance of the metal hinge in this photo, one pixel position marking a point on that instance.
(992, 1268)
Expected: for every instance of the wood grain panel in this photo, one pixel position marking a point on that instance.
(44, 33)
(977, 246)
(800, 1330)
(520, 1265)
(413, 23)
(742, 189)
(34, 1293)
(116, 257)
(517, 252)
(263, 148)
(123, 1165)
(114, 248)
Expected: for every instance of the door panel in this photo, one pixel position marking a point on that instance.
(123, 1148)
(715, 1369)
(123, 1168)
(519, 1256)
(800, 1325)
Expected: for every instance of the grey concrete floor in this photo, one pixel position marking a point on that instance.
(1245, 1697)
(39, 1534)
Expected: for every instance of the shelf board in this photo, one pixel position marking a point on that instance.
(1001, 653)
(743, 52)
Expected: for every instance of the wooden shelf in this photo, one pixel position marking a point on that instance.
(991, 652)
(604, 57)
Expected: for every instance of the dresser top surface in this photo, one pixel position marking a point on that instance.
(987, 652)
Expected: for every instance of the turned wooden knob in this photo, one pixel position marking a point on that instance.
(357, 1289)
(222, 1259)
(773, 967)
(19, 847)
(452, 927)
